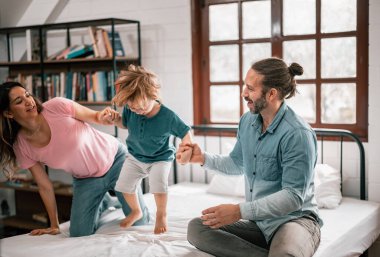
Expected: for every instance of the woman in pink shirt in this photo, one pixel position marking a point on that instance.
(57, 134)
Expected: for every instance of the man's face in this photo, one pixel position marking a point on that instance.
(253, 92)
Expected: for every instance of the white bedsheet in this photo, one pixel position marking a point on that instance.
(341, 235)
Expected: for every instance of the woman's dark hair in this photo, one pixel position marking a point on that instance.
(9, 129)
(276, 74)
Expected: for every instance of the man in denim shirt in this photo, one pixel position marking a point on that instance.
(276, 151)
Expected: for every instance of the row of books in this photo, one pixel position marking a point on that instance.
(79, 86)
(75, 51)
(101, 46)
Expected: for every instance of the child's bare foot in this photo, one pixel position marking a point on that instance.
(161, 224)
(131, 219)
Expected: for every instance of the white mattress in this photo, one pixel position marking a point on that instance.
(348, 231)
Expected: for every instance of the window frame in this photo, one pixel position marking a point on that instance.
(201, 70)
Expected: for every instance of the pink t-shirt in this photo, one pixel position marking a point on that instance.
(74, 147)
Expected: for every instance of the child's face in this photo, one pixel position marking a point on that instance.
(141, 109)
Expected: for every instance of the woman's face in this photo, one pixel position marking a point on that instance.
(21, 104)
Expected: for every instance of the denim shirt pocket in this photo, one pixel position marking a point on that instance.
(268, 168)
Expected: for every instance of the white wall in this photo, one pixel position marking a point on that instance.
(166, 49)
(373, 146)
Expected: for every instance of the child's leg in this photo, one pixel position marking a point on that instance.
(135, 214)
(158, 185)
(129, 179)
(161, 202)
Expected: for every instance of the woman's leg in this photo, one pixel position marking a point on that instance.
(87, 196)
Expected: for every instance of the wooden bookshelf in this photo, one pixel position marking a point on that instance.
(28, 202)
(22, 223)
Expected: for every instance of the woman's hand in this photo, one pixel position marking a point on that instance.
(42, 231)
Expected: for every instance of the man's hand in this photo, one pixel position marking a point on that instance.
(221, 215)
(42, 231)
(108, 116)
(196, 153)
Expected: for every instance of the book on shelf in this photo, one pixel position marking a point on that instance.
(119, 49)
(101, 43)
(107, 43)
(94, 41)
(62, 55)
(80, 52)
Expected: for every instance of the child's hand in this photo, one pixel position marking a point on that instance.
(195, 155)
(184, 156)
(108, 116)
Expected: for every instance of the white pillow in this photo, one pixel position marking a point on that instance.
(327, 186)
(227, 185)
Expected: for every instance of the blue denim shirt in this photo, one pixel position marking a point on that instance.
(278, 166)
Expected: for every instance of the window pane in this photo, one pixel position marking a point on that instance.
(345, 9)
(225, 103)
(223, 23)
(302, 52)
(299, 17)
(224, 63)
(338, 57)
(304, 102)
(338, 103)
(253, 53)
(256, 19)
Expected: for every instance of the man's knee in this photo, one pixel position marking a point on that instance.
(193, 231)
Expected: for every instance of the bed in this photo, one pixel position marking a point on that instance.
(349, 230)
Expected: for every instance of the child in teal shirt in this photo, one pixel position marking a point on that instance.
(150, 125)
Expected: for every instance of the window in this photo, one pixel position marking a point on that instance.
(228, 36)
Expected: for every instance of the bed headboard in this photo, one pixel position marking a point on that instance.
(344, 135)
(338, 135)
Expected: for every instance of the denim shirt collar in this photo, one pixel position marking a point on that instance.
(258, 119)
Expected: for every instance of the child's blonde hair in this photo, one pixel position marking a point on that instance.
(136, 84)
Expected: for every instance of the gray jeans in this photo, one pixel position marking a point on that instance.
(298, 238)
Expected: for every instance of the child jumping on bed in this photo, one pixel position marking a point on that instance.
(150, 125)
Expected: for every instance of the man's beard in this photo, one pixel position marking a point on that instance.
(258, 105)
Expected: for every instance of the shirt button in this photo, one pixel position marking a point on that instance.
(254, 173)
(254, 156)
